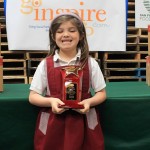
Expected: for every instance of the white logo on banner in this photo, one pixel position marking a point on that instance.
(28, 22)
(142, 13)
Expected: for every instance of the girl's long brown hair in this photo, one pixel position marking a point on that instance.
(83, 44)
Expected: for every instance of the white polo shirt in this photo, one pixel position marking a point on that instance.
(39, 82)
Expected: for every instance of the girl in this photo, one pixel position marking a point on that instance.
(61, 128)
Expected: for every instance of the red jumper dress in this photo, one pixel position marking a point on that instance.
(69, 130)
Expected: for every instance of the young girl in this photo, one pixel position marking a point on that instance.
(61, 128)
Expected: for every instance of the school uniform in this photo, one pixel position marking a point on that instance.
(69, 130)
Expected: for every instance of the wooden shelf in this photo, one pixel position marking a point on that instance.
(116, 66)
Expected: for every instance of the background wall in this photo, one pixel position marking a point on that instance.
(19, 66)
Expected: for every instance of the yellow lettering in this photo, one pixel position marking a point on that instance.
(36, 14)
(74, 11)
(45, 14)
(87, 15)
(36, 3)
(89, 30)
(90, 14)
(100, 15)
(26, 9)
(59, 11)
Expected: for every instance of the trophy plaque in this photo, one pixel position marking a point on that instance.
(71, 86)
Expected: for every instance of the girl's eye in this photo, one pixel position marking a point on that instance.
(72, 30)
(68, 30)
(59, 31)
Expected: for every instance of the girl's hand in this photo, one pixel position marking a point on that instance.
(86, 106)
(55, 103)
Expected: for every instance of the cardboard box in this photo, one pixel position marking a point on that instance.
(1, 73)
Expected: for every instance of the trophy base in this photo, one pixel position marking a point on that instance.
(71, 106)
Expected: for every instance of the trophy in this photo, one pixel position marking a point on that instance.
(71, 86)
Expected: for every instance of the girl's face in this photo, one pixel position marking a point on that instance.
(67, 37)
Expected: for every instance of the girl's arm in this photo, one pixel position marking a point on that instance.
(41, 101)
(97, 99)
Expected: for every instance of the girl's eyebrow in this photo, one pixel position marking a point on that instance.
(67, 28)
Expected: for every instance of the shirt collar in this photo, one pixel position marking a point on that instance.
(77, 57)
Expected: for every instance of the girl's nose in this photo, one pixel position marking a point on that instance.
(65, 33)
